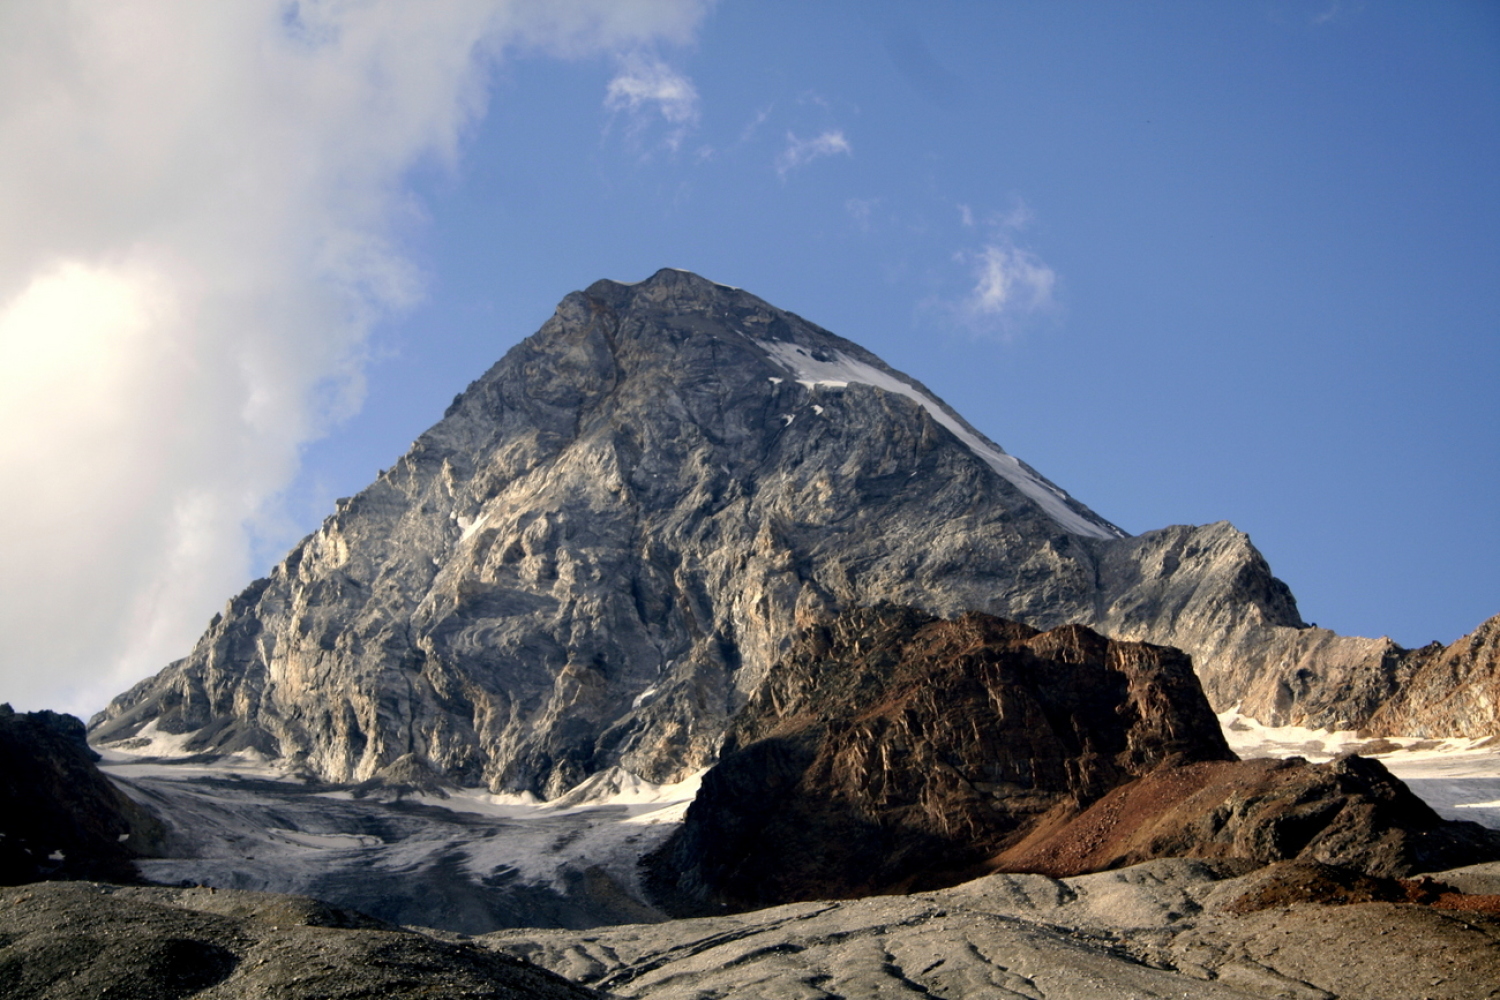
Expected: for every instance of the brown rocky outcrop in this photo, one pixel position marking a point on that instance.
(1350, 812)
(893, 749)
(60, 818)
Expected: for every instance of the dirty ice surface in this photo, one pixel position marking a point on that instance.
(839, 370)
(468, 861)
(1459, 778)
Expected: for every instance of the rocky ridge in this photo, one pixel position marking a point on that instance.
(600, 551)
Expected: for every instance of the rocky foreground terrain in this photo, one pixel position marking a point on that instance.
(86, 941)
(1162, 929)
(1179, 929)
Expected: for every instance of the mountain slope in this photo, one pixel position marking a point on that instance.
(611, 537)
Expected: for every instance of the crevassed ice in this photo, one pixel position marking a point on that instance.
(842, 370)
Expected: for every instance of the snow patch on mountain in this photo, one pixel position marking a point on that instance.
(1459, 778)
(836, 370)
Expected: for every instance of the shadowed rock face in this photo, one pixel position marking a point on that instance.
(59, 817)
(610, 537)
(894, 750)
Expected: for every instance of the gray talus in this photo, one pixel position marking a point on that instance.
(1171, 928)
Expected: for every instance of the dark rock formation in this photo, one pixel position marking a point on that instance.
(59, 817)
(599, 551)
(1350, 812)
(893, 750)
(85, 940)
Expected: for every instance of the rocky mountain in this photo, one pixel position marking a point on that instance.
(1444, 690)
(603, 547)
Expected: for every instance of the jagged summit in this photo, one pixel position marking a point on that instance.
(611, 536)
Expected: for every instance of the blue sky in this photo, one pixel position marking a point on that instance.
(1192, 262)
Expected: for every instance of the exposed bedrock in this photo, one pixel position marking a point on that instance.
(610, 537)
(894, 751)
(1350, 812)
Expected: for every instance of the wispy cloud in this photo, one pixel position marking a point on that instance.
(799, 152)
(646, 89)
(201, 222)
(1010, 284)
(1006, 284)
(862, 211)
(1328, 13)
(753, 125)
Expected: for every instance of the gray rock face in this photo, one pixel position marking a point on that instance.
(612, 535)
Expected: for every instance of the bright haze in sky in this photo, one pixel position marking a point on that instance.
(1192, 262)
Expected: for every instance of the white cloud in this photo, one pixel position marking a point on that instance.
(1010, 284)
(643, 83)
(201, 207)
(645, 89)
(799, 152)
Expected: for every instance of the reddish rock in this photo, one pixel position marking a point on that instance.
(1350, 812)
(895, 750)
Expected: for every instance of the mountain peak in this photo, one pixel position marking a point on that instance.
(608, 541)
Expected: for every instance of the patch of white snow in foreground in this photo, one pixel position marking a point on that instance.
(1459, 778)
(842, 370)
